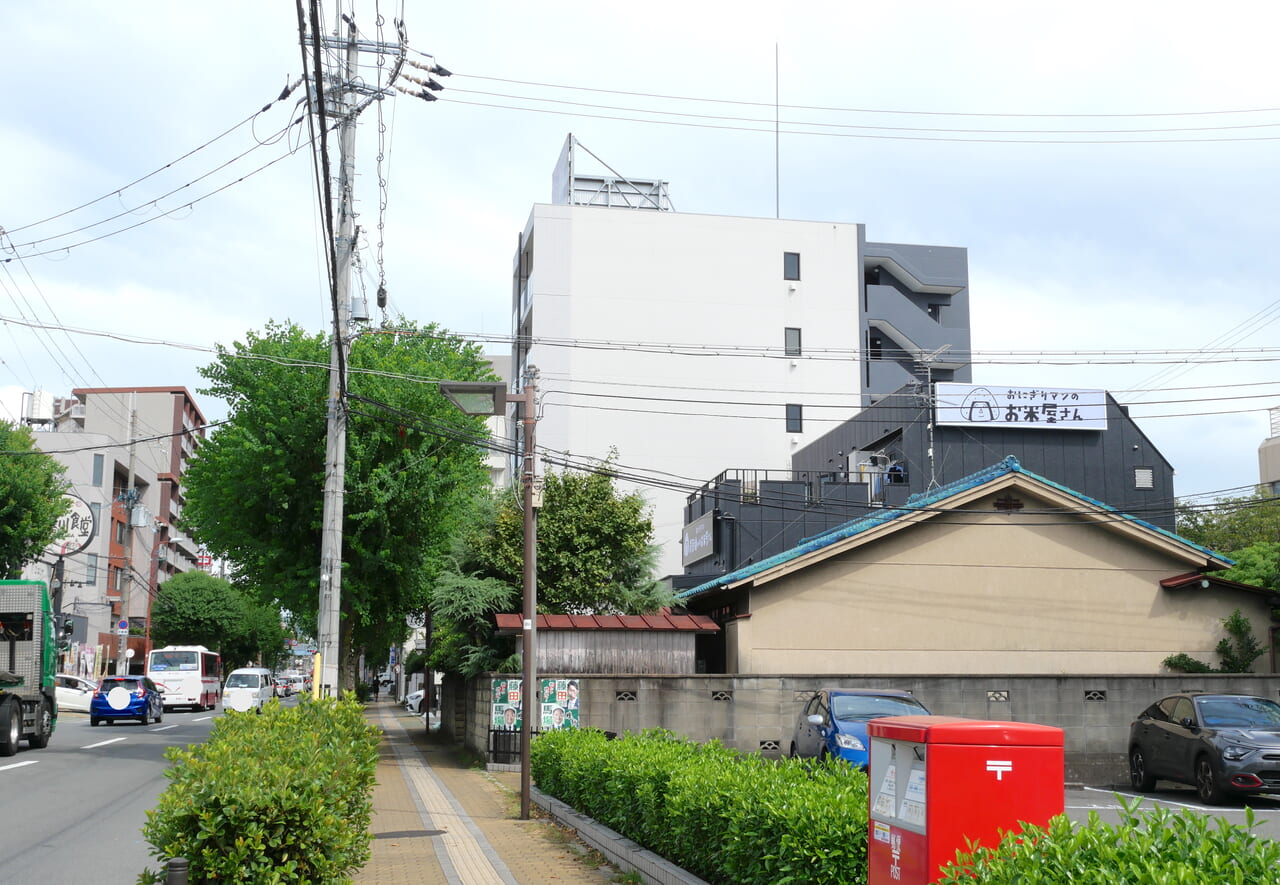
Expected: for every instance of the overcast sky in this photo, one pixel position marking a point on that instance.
(1111, 169)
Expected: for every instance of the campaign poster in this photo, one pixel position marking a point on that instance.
(559, 704)
(506, 704)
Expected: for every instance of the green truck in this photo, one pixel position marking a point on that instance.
(29, 640)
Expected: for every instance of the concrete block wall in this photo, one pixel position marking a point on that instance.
(757, 713)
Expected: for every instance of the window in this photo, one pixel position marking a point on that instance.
(791, 265)
(795, 418)
(791, 341)
(91, 569)
(97, 471)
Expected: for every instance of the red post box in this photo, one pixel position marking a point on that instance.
(939, 782)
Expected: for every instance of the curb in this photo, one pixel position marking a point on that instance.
(619, 850)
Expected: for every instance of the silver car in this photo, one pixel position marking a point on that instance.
(1221, 744)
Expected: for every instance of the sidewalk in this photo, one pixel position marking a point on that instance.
(437, 821)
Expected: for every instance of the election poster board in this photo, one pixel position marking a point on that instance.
(557, 707)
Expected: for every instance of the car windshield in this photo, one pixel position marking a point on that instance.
(852, 707)
(242, 680)
(174, 660)
(1220, 712)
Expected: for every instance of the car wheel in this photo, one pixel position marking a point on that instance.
(146, 716)
(94, 721)
(824, 755)
(1207, 787)
(1142, 780)
(793, 752)
(160, 716)
(44, 727)
(10, 728)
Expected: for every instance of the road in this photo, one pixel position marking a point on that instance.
(1106, 802)
(74, 811)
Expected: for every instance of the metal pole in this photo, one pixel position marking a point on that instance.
(130, 501)
(329, 623)
(532, 702)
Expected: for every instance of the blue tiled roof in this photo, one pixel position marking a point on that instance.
(923, 501)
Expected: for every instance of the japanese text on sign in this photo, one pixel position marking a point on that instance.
(1025, 408)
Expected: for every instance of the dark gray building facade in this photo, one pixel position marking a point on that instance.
(896, 448)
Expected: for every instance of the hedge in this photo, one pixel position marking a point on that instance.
(724, 816)
(1155, 847)
(282, 797)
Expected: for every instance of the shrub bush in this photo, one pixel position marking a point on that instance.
(1155, 847)
(284, 797)
(724, 816)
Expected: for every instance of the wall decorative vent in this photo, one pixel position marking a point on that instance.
(1144, 478)
(723, 695)
(1095, 694)
(770, 747)
(624, 696)
(998, 697)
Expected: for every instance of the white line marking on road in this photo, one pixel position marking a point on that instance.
(1145, 797)
(18, 764)
(165, 727)
(202, 719)
(103, 743)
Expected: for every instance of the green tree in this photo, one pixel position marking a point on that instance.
(1232, 523)
(194, 608)
(255, 488)
(595, 555)
(31, 502)
(1237, 650)
(1245, 529)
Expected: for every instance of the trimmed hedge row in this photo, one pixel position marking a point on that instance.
(281, 797)
(724, 816)
(1155, 847)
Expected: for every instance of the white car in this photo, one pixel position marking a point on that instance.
(74, 693)
(414, 700)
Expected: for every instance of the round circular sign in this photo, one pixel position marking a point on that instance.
(118, 698)
(75, 529)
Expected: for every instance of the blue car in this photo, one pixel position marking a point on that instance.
(126, 697)
(834, 721)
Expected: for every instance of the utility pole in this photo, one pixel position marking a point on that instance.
(329, 627)
(130, 498)
(346, 95)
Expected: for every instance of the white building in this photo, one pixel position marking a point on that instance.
(690, 344)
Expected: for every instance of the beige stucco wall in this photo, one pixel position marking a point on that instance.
(987, 592)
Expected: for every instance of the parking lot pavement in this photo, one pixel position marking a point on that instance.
(1080, 801)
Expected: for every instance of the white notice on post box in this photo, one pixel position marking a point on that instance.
(913, 803)
(887, 797)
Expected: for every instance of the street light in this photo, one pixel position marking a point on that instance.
(491, 398)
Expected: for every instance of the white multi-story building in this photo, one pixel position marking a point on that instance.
(689, 344)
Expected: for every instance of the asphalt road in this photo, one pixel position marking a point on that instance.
(73, 812)
(1106, 802)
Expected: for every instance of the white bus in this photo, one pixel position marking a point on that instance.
(190, 675)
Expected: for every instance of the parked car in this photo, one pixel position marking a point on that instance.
(248, 688)
(126, 697)
(1221, 744)
(834, 721)
(414, 700)
(74, 693)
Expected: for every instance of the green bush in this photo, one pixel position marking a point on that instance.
(724, 816)
(284, 797)
(1156, 847)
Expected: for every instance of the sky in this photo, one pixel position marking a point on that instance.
(1110, 168)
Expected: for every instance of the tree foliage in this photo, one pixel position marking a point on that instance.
(595, 555)
(31, 502)
(255, 488)
(194, 608)
(1230, 524)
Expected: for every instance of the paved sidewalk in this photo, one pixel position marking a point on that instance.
(437, 821)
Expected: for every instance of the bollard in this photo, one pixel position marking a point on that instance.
(176, 871)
